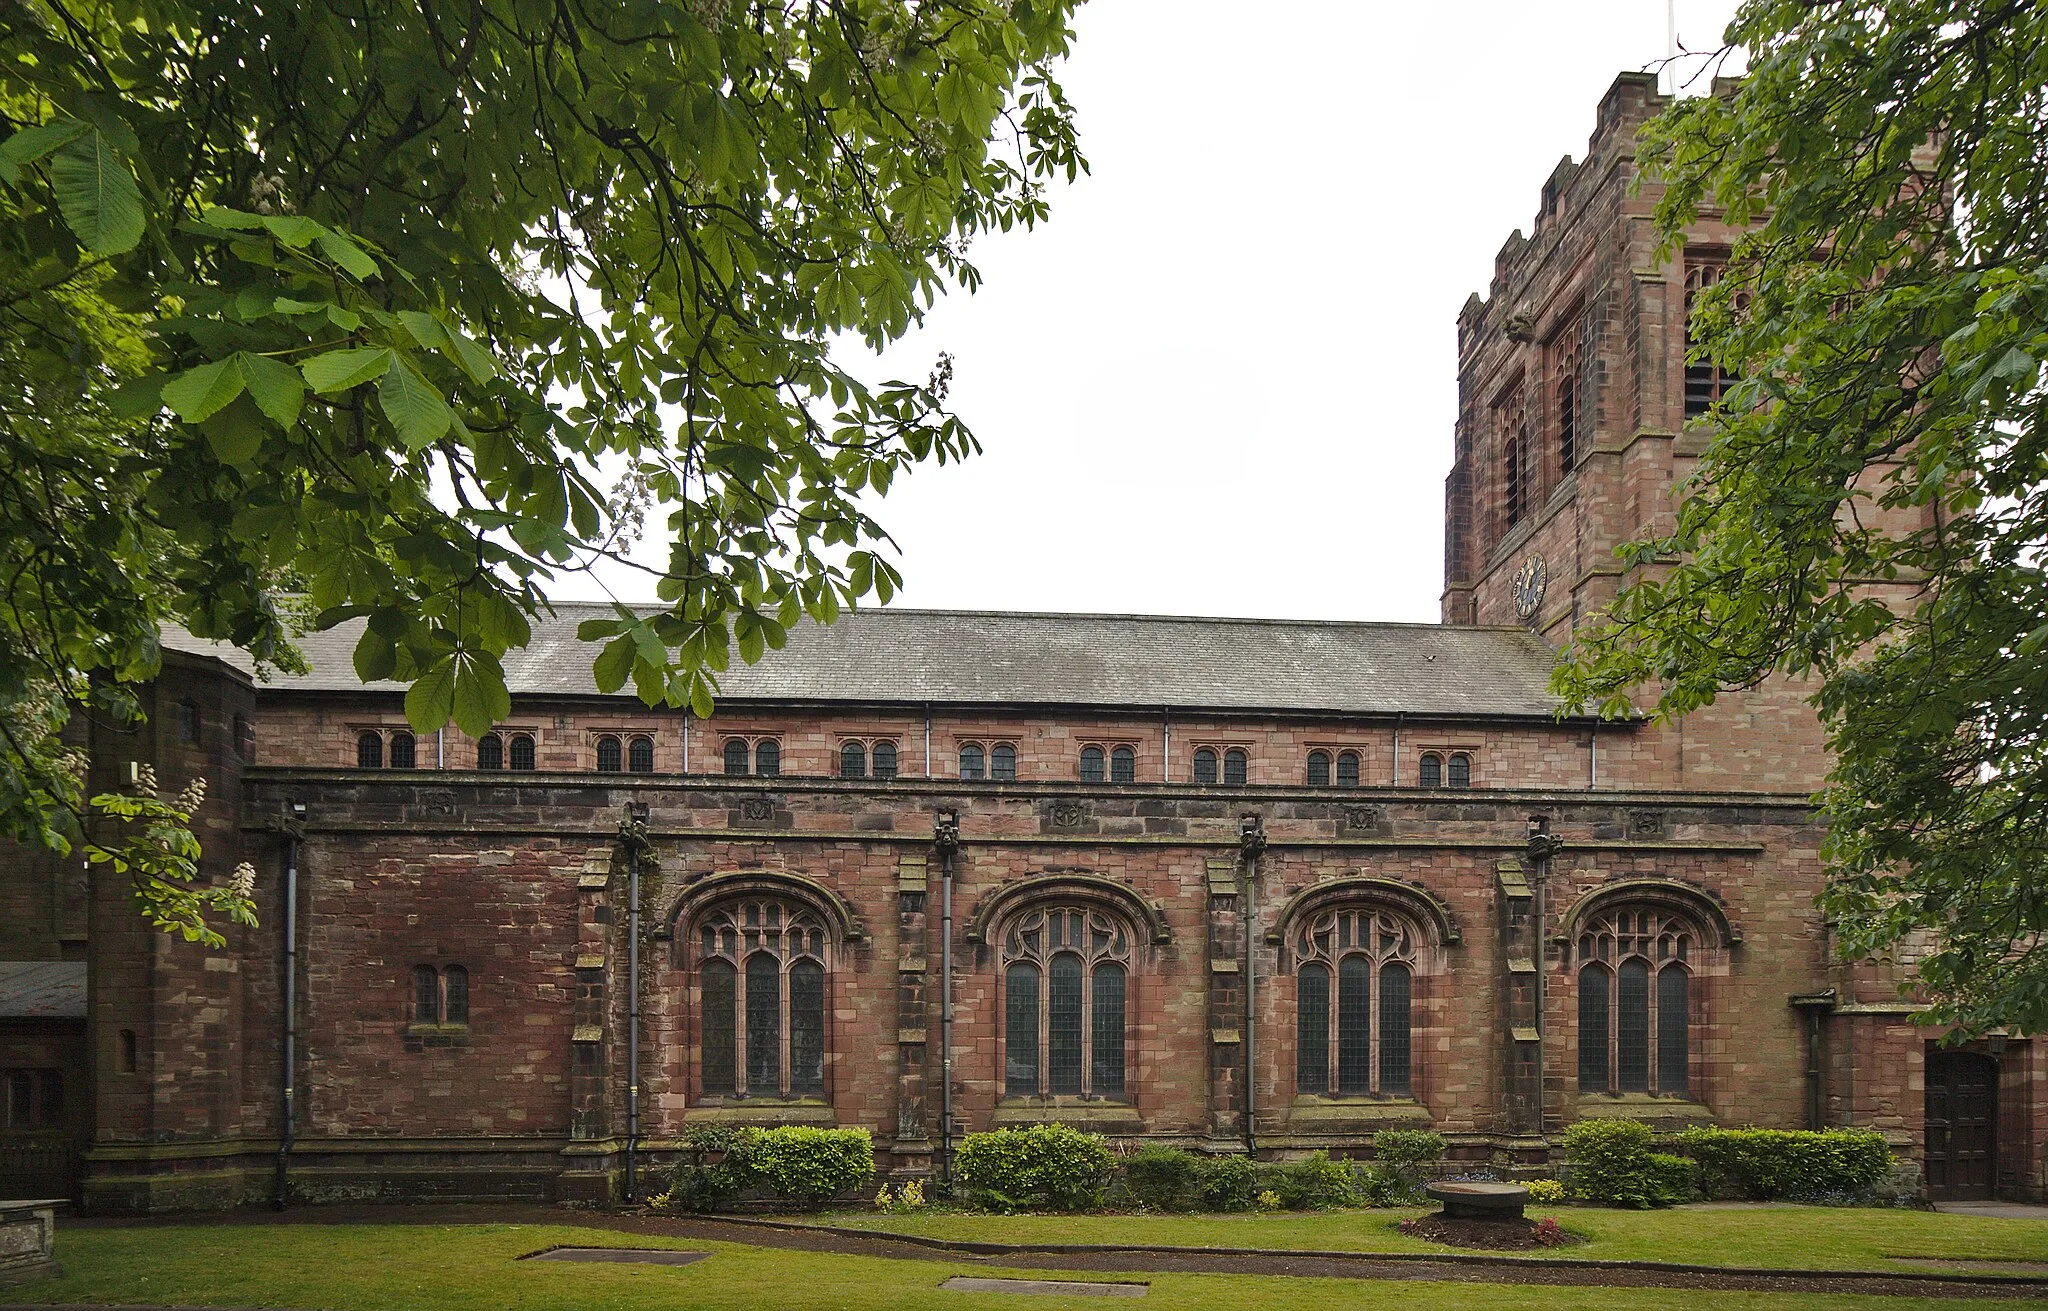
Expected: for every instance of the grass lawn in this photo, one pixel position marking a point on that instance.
(474, 1268)
(1783, 1237)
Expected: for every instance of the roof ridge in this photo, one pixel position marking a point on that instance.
(922, 612)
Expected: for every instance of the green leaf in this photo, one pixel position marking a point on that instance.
(275, 386)
(235, 433)
(614, 664)
(481, 698)
(430, 701)
(139, 399)
(416, 410)
(337, 247)
(425, 329)
(32, 143)
(340, 370)
(98, 195)
(293, 230)
(200, 393)
(471, 358)
(376, 656)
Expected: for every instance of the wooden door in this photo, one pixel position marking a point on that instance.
(1962, 1125)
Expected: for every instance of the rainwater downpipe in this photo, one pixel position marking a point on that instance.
(294, 830)
(946, 837)
(1166, 744)
(1251, 840)
(1593, 756)
(634, 831)
(1397, 750)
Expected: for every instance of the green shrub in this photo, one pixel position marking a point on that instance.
(1546, 1191)
(1311, 1184)
(1164, 1178)
(1227, 1183)
(811, 1166)
(794, 1162)
(1802, 1165)
(1612, 1163)
(1379, 1185)
(1398, 1157)
(1046, 1167)
(1673, 1179)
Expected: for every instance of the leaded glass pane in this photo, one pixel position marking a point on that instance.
(1593, 1029)
(1432, 773)
(1020, 1030)
(1354, 1026)
(608, 755)
(1063, 1020)
(1106, 1036)
(522, 751)
(1235, 763)
(455, 1007)
(1632, 1027)
(1396, 989)
(768, 758)
(720, 996)
(1003, 764)
(1461, 771)
(853, 761)
(736, 756)
(1092, 770)
(490, 752)
(764, 1025)
(1347, 770)
(807, 1027)
(970, 762)
(1205, 766)
(402, 751)
(369, 751)
(1312, 1030)
(1674, 1072)
(426, 995)
(1318, 769)
(1123, 765)
(640, 755)
(885, 760)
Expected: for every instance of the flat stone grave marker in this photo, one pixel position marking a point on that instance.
(1047, 1287)
(618, 1255)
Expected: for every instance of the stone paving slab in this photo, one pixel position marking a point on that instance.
(1994, 1210)
(1048, 1287)
(618, 1255)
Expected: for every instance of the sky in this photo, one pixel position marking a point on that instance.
(1222, 379)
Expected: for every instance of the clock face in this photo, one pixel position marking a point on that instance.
(1529, 583)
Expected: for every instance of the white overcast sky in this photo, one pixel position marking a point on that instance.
(1222, 379)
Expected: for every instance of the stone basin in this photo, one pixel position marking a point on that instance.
(1480, 1201)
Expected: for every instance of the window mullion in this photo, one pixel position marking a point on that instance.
(739, 1029)
(1335, 1008)
(1044, 1024)
(1372, 1021)
(1087, 1024)
(786, 1075)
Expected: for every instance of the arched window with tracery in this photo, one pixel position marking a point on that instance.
(1635, 967)
(1354, 1002)
(762, 965)
(1066, 974)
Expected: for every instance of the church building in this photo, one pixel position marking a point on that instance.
(1226, 884)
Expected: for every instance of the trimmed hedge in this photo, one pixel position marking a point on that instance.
(1045, 1167)
(1798, 1164)
(794, 1162)
(1612, 1163)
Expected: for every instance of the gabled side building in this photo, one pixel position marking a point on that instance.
(1230, 884)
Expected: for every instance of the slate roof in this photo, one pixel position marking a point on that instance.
(966, 657)
(42, 990)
